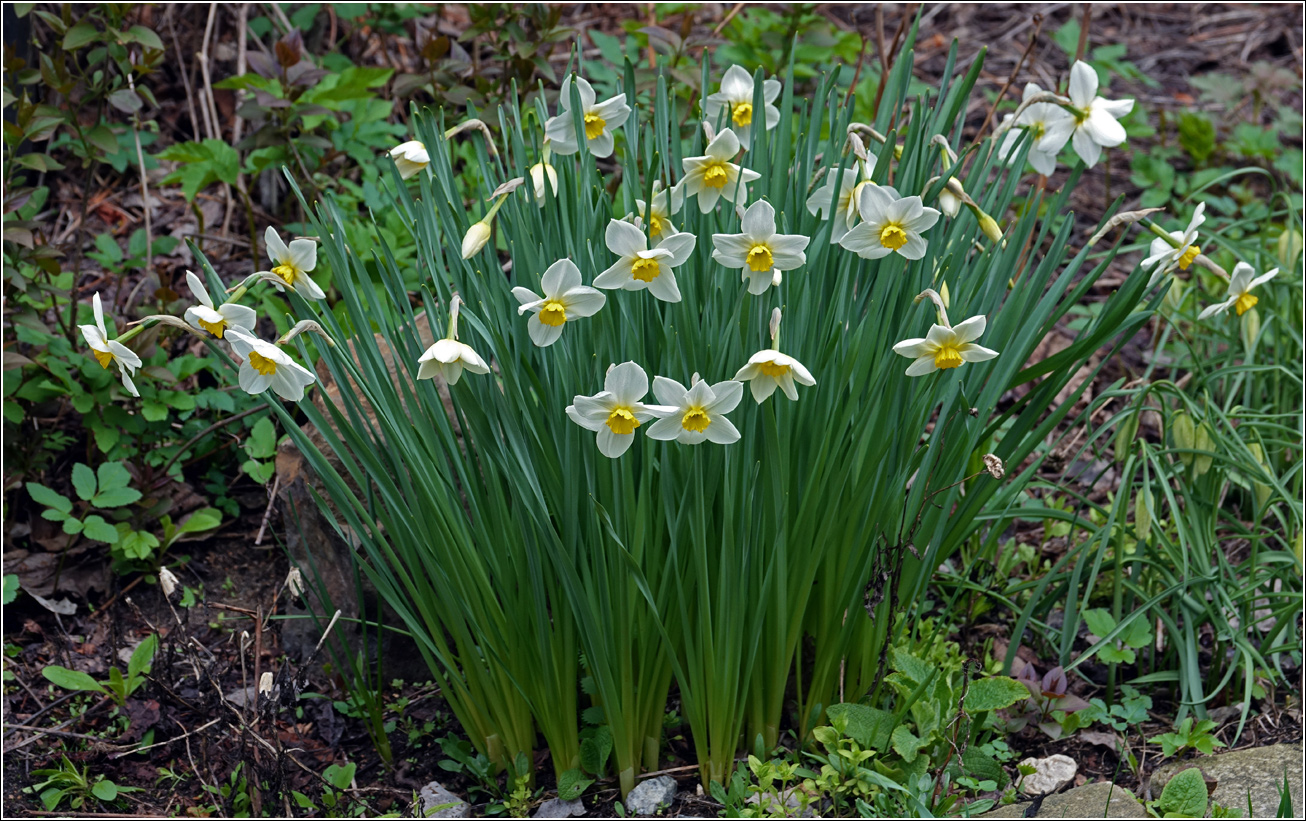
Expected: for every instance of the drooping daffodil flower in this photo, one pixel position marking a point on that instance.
(598, 120)
(666, 204)
(639, 267)
(216, 320)
(1094, 123)
(293, 264)
(699, 411)
(890, 222)
(410, 158)
(769, 369)
(616, 411)
(845, 200)
(108, 351)
(267, 366)
(713, 175)
(945, 346)
(564, 300)
(448, 357)
(736, 94)
(1164, 256)
(1049, 125)
(1241, 282)
(759, 251)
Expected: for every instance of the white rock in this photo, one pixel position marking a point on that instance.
(557, 808)
(649, 795)
(1050, 774)
(434, 794)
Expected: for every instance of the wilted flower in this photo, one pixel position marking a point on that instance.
(1094, 122)
(293, 264)
(699, 411)
(107, 351)
(994, 466)
(1165, 255)
(564, 299)
(736, 93)
(1049, 125)
(267, 366)
(616, 411)
(216, 320)
(890, 222)
(410, 157)
(666, 203)
(639, 267)
(167, 581)
(448, 357)
(713, 176)
(1241, 282)
(598, 120)
(945, 347)
(295, 583)
(759, 251)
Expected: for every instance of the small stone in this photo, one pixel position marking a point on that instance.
(1100, 800)
(557, 808)
(243, 698)
(434, 794)
(1050, 774)
(649, 796)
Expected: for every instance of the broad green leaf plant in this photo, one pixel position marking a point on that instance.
(548, 519)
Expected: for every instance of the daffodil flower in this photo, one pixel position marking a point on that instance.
(598, 120)
(616, 411)
(267, 366)
(564, 300)
(945, 347)
(759, 251)
(108, 351)
(216, 320)
(410, 157)
(1093, 124)
(845, 204)
(448, 357)
(293, 264)
(1049, 125)
(1166, 255)
(736, 94)
(700, 411)
(890, 222)
(639, 267)
(713, 175)
(1241, 282)
(666, 204)
(769, 369)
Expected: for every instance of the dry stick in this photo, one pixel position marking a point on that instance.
(104, 608)
(239, 125)
(651, 10)
(206, 432)
(272, 500)
(1033, 38)
(725, 22)
(185, 79)
(145, 188)
(215, 129)
(857, 72)
(1083, 31)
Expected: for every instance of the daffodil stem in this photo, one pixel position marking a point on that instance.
(1161, 232)
(775, 329)
(933, 296)
(494, 209)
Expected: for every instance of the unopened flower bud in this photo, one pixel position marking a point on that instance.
(540, 172)
(475, 238)
(990, 227)
(776, 277)
(994, 466)
(950, 198)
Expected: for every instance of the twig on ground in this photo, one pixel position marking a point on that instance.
(272, 500)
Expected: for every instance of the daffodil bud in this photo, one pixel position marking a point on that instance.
(951, 197)
(1202, 462)
(1126, 432)
(942, 316)
(1260, 489)
(1143, 514)
(1251, 328)
(475, 238)
(776, 277)
(1290, 245)
(540, 172)
(1185, 435)
(990, 227)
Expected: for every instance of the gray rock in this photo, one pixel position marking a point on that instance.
(1100, 800)
(650, 795)
(1050, 774)
(1258, 771)
(557, 808)
(434, 794)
